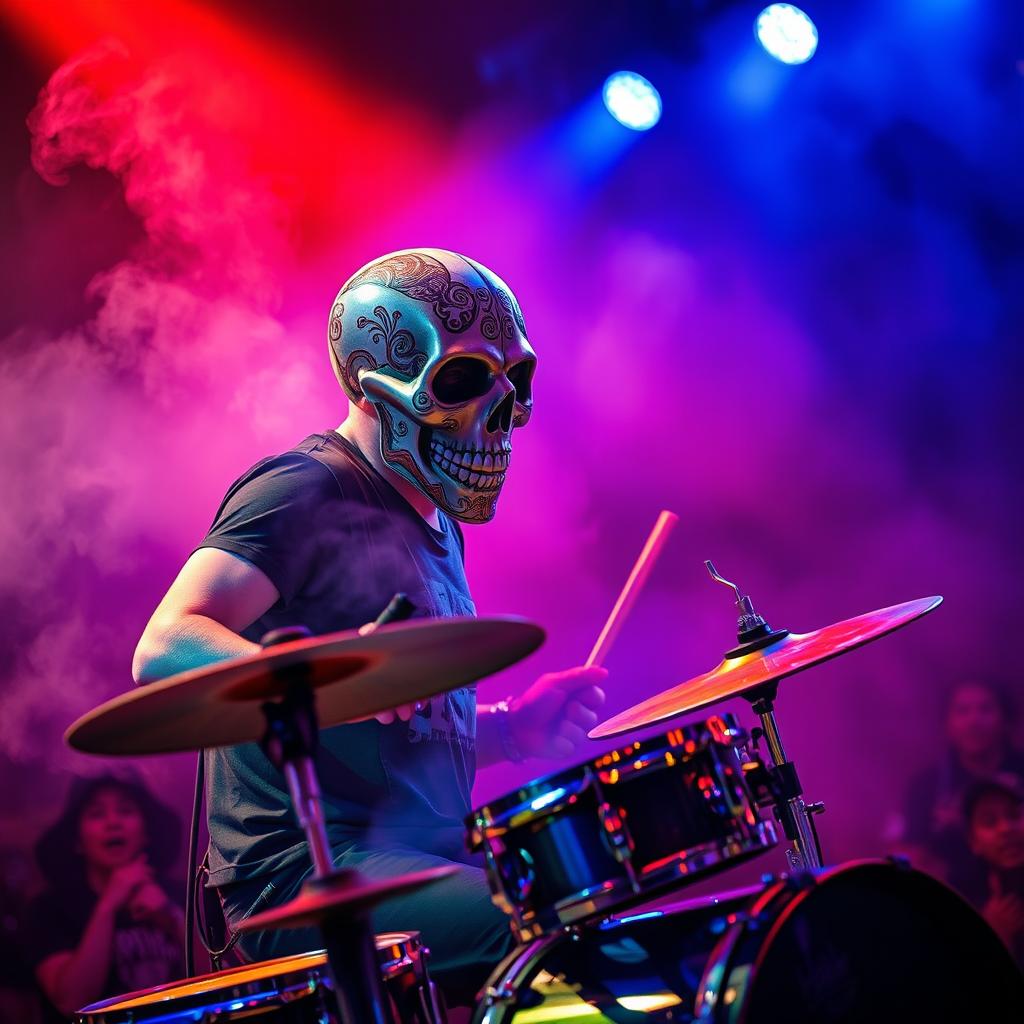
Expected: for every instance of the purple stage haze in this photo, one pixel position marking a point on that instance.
(791, 314)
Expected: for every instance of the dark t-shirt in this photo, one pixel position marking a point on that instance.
(143, 955)
(338, 542)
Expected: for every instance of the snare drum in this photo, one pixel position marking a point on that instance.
(865, 942)
(288, 990)
(637, 821)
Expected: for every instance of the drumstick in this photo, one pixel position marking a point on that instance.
(634, 584)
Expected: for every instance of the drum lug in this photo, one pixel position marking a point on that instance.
(614, 833)
(499, 993)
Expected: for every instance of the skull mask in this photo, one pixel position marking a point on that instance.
(437, 343)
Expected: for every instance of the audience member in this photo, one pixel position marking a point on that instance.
(994, 813)
(979, 719)
(106, 924)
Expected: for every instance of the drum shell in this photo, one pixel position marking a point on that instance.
(870, 941)
(286, 990)
(621, 828)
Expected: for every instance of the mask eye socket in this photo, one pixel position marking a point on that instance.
(521, 378)
(462, 379)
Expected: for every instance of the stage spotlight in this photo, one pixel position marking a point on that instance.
(786, 33)
(632, 100)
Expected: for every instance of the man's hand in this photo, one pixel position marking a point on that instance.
(404, 711)
(554, 715)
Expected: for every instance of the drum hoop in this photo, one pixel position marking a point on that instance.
(618, 894)
(512, 972)
(164, 1000)
(311, 966)
(488, 825)
(496, 817)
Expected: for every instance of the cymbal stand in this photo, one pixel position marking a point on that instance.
(794, 814)
(290, 745)
(754, 634)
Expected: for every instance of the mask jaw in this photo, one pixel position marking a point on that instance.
(406, 442)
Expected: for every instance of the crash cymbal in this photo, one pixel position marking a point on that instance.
(737, 676)
(343, 894)
(352, 677)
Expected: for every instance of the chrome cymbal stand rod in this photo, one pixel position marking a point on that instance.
(754, 634)
(793, 812)
(304, 788)
(290, 743)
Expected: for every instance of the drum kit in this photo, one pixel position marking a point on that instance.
(583, 860)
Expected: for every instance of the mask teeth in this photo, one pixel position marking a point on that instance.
(480, 469)
(484, 461)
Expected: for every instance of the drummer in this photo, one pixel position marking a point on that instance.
(431, 351)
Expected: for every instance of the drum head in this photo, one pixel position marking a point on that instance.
(253, 989)
(264, 985)
(872, 942)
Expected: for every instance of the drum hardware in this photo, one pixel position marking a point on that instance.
(338, 905)
(623, 827)
(752, 632)
(276, 698)
(353, 676)
(287, 990)
(563, 850)
(864, 941)
(791, 811)
(753, 669)
(769, 656)
(337, 902)
(398, 609)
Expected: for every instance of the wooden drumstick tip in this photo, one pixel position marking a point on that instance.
(649, 554)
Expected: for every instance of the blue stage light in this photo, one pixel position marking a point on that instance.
(632, 100)
(786, 33)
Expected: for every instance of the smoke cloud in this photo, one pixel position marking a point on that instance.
(761, 329)
(118, 431)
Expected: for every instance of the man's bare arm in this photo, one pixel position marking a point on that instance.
(215, 595)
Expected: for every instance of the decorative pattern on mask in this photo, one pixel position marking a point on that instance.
(398, 342)
(455, 304)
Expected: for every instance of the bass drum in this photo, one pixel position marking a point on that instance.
(872, 942)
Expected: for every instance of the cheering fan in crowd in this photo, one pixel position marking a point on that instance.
(105, 923)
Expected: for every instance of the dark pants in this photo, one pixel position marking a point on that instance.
(466, 934)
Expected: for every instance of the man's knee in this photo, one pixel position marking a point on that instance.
(466, 934)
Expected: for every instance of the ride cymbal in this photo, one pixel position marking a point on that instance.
(352, 677)
(737, 676)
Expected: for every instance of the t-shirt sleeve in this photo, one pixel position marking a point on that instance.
(48, 929)
(269, 517)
